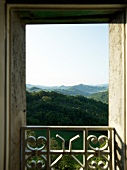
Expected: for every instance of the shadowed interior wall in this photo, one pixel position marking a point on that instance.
(117, 112)
(2, 83)
(126, 86)
(17, 115)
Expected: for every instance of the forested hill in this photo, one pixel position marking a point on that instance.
(52, 108)
(100, 96)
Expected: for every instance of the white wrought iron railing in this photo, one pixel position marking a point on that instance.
(89, 147)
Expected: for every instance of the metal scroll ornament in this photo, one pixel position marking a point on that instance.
(97, 159)
(35, 147)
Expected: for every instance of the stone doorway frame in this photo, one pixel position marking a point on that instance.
(15, 101)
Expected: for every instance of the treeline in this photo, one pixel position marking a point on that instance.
(52, 108)
(100, 96)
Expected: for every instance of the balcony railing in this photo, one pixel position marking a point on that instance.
(89, 147)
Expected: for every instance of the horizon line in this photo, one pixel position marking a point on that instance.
(67, 85)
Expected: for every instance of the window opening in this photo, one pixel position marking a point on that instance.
(67, 81)
(68, 59)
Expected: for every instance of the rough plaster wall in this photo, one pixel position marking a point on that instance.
(117, 87)
(17, 89)
(2, 83)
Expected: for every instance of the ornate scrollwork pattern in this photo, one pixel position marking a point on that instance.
(36, 160)
(97, 160)
(95, 151)
(102, 142)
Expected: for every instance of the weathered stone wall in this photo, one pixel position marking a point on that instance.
(17, 115)
(117, 95)
(2, 84)
(16, 82)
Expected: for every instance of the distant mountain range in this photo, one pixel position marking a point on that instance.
(81, 89)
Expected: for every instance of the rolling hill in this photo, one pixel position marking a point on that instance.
(100, 96)
(81, 89)
(52, 108)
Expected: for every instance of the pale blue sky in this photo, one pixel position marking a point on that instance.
(67, 54)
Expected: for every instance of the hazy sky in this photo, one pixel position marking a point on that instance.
(67, 54)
